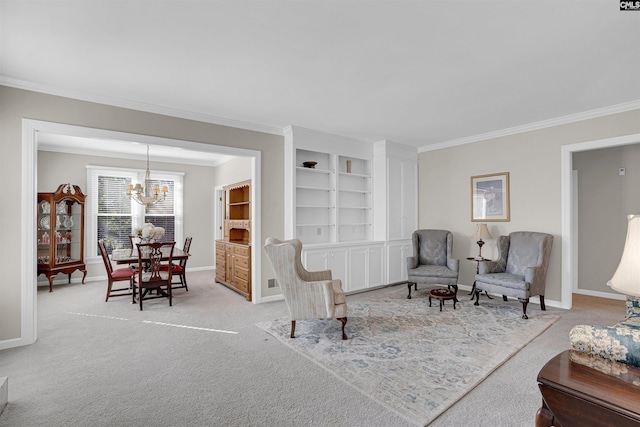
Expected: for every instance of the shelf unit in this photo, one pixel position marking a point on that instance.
(233, 253)
(60, 233)
(332, 199)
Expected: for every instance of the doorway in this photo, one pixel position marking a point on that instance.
(569, 209)
(30, 131)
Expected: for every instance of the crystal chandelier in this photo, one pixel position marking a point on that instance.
(147, 196)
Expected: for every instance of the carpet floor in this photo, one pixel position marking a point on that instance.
(109, 364)
(410, 357)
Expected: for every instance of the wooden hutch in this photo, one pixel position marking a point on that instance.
(60, 232)
(233, 253)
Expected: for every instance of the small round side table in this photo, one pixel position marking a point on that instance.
(442, 295)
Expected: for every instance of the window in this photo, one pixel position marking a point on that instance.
(113, 217)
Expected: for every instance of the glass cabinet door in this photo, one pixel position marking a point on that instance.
(67, 231)
(44, 231)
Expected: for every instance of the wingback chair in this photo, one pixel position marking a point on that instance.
(308, 294)
(521, 270)
(432, 262)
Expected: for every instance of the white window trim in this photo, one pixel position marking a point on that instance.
(138, 213)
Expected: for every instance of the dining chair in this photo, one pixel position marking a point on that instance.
(152, 277)
(180, 269)
(119, 275)
(133, 240)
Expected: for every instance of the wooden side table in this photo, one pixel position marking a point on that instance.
(473, 288)
(595, 392)
(442, 295)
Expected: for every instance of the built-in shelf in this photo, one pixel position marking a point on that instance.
(335, 197)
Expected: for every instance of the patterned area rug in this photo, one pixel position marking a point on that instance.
(412, 358)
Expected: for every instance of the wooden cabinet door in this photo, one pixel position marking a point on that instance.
(337, 262)
(315, 260)
(397, 254)
(375, 266)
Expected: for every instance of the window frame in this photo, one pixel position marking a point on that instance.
(137, 211)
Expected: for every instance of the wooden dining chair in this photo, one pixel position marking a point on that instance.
(119, 275)
(153, 277)
(180, 268)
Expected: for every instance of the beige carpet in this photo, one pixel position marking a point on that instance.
(412, 358)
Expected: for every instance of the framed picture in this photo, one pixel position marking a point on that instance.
(490, 197)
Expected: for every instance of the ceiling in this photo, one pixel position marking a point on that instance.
(424, 73)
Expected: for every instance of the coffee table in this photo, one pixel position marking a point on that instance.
(442, 295)
(579, 389)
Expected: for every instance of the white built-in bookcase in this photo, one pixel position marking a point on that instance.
(333, 202)
(355, 221)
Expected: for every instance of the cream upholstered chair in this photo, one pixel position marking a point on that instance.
(308, 294)
(521, 270)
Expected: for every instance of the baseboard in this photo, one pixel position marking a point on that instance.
(600, 294)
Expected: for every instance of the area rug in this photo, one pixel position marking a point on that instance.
(412, 358)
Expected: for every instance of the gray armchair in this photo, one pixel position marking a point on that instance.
(308, 294)
(521, 270)
(431, 263)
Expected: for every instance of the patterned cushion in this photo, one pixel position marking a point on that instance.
(433, 247)
(433, 271)
(633, 305)
(506, 280)
(620, 342)
(524, 251)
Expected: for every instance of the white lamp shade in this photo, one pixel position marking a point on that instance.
(626, 279)
(482, 232)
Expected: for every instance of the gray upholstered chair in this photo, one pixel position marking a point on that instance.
(432, 262)
(521, 270)
(308, 294)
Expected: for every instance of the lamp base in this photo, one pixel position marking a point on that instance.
(480, 244)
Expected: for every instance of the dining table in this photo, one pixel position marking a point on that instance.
(130, 256)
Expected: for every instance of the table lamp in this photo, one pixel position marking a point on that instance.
(482, 232)
(626, 279)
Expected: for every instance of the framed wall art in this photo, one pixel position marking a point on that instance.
(490, 197)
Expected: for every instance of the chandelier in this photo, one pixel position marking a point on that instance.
(147, 196)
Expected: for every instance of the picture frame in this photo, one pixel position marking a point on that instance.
(490, 198)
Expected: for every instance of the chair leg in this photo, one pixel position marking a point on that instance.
(455, 293)
(415, 288)
(542, 306)
(170, 296)
(108, 291)
(524, 302)
(343, 320)
(293, 328)
(477, 297)
(504, 298)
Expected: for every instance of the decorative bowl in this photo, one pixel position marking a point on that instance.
(309, 164)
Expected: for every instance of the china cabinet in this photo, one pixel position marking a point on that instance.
(233, 253)
(60, 232)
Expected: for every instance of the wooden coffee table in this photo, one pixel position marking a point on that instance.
(579, 389)
(442, 295)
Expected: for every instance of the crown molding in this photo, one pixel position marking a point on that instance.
(571, 118)
(136, 105)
